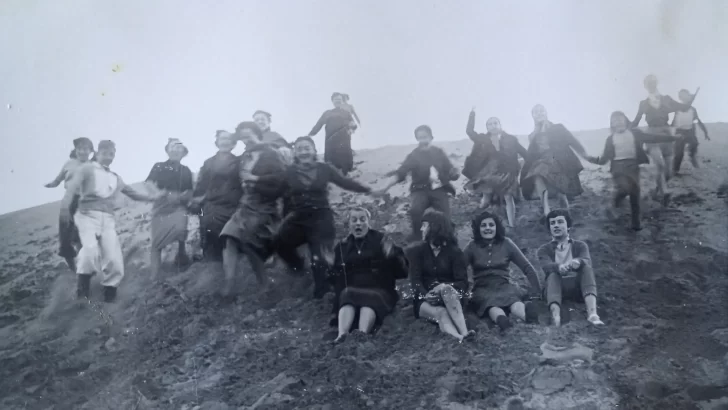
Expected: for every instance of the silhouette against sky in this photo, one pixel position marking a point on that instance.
(139, 72)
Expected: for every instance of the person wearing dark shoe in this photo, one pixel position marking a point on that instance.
(567, 267)
(625, 153)
(490, 255)
(98, 187)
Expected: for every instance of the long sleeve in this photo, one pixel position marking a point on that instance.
(583, 255)
(59, 178)
(76, 184)
(640, 114)
(154, 173)
(337, 178)
(321, 122)
(573, 142)
(470, 127)
(354, 114)
(448, 169)
(674, 106)
(405, 168)
(133, 193)
(415, 271)
(547, 264)
(203, 180)
(518, 258)
(460, 270)
(607, 154)
(186, 180)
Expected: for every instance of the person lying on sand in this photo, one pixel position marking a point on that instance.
(567, 266)
(100, 252)
(684, 123)
(438, 273)
(432, 173)
(490, 255)
(252, 227)
(173, 181)
(309, 218)
(67, 232)
(366, 266)
(623, 149)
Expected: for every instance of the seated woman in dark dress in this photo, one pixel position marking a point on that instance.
(490, 255)
(366, 267)
(439, 277)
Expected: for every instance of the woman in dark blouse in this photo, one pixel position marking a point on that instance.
(169, 212)
(366, 267)
(439, 278)
(309, 218)
(551, 166)
(490, 254)
(218, 190)
(338, 122)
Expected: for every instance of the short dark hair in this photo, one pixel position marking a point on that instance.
(251, 126)
(500, 230)
(442, 231)
(304, 138)
(424, 128)
(556, 213)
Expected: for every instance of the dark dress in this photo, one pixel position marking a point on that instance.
(426, 270)
(550, 157)
(491, 274)
(219, 182)
(309, 218)
(338, 139)
(169, 217)
(658, 119)
(490, 169)
(256, 221)
(364, 277)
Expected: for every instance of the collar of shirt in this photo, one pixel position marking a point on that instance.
(557, 242)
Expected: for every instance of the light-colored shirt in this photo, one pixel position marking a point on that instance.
(624, 145)
(563, 253)
(68, 169)
(98, 187)
(684, 119)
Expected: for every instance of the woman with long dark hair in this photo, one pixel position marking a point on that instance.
(551, 166)
(490, 255)
(438, 273)
(68, 238)
(309, 218)
(338, 122)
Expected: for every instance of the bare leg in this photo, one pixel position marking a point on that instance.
(346, 319)
(540, 185)
(440, 316)
(182, 258)
(511, 210)
(519, 309)
(258, 266)
(498, 316)
(485, 200)
(454, 309)
(564, 201)
(156, 262)
(591, 310)
(230, 256)
(367, 317)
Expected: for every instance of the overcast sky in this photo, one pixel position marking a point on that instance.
(186, 69)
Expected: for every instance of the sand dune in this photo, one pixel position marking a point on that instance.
(176, 346)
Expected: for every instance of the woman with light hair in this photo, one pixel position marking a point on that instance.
(366, 266)
(173, 183)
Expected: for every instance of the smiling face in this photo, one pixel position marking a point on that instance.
(558, 227)
(83, 152)
(105, 156)
(263, 121)
(304, 151)
(539, 114)
(493, 125)
(337, 101)
(618, 123)
(248, 136)
(176, 152)
(358, 223)
(225, 142)
(423, 138)
(488, 229)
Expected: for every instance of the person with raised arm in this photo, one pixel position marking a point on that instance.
(684, 123)
(338, 122)
(98, 188)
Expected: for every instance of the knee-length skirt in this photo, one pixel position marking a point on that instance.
(556, 177)
(495, 291)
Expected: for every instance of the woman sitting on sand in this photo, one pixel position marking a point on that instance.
(252, 227)
(624, 149)
(490, 254)
(218, 190)
(338, 135)
(67, 232)
(551, 166)
(169, 212)
(432, 174)
(366, 267)
(439, 278)
(309, 218)
(493, 167)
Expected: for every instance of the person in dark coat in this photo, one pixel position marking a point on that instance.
(251, 229)
(438, 273)
(625, 153)
(432, 174)
(263, 120)
(551, 165)
(218, 191)
(366, 267)
(338, 122)
(309, 219)
(492, 167)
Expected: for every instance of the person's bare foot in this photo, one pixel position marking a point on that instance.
(556, 320)
(339, 339)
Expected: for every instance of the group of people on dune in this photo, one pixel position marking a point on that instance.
(273, 199)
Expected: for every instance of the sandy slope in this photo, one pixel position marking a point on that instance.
(176, 346)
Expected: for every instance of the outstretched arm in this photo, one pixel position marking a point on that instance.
(349, 184)
(606, 156)
(574, 143)
(701, 125)
(58, 179)
(401, 172)
(640, 114)
(321, 122)
(134, 194)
